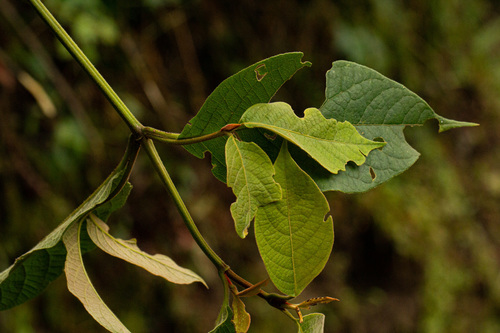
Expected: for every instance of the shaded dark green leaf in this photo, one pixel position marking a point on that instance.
(255, 84)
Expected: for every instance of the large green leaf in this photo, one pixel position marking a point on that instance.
(35, 269)
(250, 174)
(329, 142)
(79, 283)
(379, 108)
(312, 323)
(293, 238)
(255, 84)
(158, 264)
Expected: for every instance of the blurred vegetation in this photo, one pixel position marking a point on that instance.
(418, 254)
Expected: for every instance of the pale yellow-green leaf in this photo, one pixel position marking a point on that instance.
(128, 250)
(79, 283)
(250, 174)
(241, 318)
(329, 142)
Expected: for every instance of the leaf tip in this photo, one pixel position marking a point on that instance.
(447, 124)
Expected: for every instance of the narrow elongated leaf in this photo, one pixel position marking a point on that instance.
(379, 108)
(79, 283)
(329, 142)
(35, 269)
(158, 264)
(250, 174)
(313, 323)
(293, 238)
(255, 84)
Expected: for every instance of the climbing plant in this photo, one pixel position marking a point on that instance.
(277, 164)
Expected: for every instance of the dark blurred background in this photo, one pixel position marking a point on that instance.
(418, 254)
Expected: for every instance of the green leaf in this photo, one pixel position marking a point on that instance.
(105, 210)
(293, 238)
(379, 108)
(35, 269)
(158, 264)
(312, 323)
(241, 318)
(329, 142)
(255, 84)
(250, 174)
(79, 283)
(224, 323)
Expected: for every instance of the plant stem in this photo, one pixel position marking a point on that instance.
(173, 138)
(76, 52)
(181, 207)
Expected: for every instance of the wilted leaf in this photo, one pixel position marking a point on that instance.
(293, 238)
(250, 174)
(379, 108)
(79, 283)
(255, 84)
(329, 142)
(158, 264)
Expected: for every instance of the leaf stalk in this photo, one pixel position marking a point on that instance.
(173, 138)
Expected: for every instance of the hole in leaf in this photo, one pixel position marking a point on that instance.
(372, 174)
(379, 139)
(260, 72)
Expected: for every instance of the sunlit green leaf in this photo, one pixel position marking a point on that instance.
(255, 84)
(79, 283)
(293, 238)
(312, 323)
(158, 264)
(250, 174)
(379, 108)
(329, 142)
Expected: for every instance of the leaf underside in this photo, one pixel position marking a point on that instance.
(80, 286)
(33, 271)
(158, 264)
(250, 174)
(293, 239)
(255, 84)
(379, 108)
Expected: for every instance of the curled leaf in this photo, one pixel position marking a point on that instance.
(80, 285)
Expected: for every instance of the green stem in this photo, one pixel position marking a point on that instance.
(74, 50)
(173, 138)
(181, 207)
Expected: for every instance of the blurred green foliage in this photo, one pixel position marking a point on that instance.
(418, 254)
